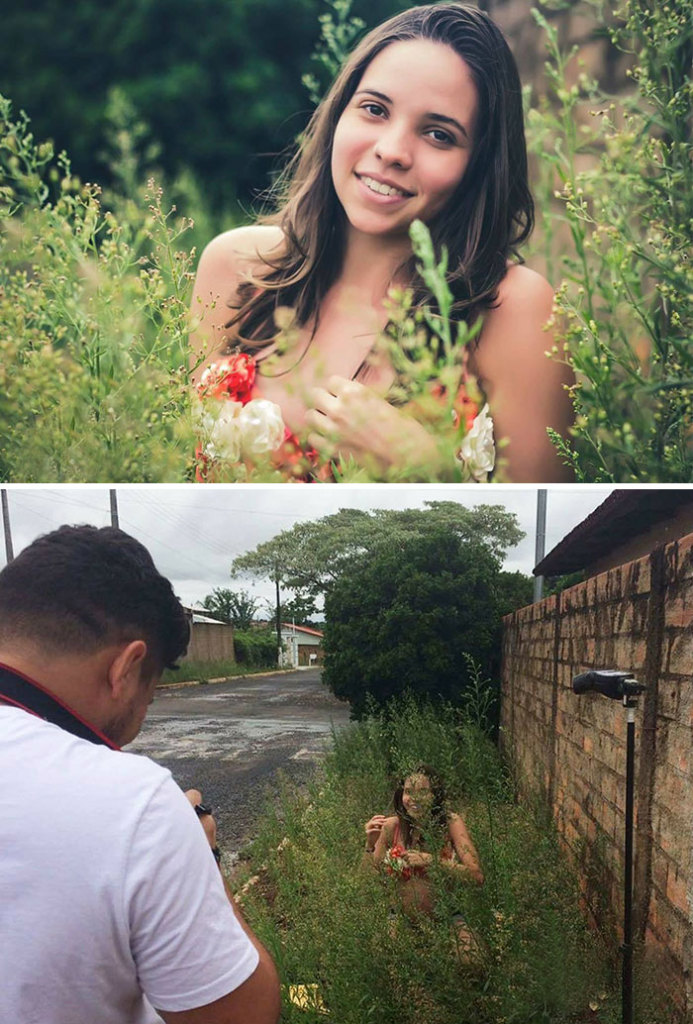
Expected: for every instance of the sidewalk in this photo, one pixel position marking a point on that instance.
(228, 679)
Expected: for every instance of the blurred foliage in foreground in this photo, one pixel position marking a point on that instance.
(94, 295)
(620, 244)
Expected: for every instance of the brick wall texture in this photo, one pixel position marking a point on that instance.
(211, 642)
(571, 750)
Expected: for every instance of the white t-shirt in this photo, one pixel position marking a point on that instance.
(110, 900)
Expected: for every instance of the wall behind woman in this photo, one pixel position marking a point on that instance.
(570, 750)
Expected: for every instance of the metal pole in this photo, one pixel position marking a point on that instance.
(627, 967)
(114, 507)
(280, 653)
(6, 525)
(540, 544)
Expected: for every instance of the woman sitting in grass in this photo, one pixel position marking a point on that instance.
(423, 123)
(420, 833)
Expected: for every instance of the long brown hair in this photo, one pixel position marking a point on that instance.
(489, 215)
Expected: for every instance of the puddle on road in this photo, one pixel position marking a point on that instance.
(219, 738)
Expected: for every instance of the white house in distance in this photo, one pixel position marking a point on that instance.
(301, 646)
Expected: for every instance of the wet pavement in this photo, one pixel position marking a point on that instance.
(231, 740)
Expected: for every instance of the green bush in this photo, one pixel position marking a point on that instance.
(404, 616)
(256, 647)
(625, 297)
(331, 922)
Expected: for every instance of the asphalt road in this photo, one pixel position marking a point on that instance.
(230, 740)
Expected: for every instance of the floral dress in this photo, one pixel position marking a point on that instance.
(233, 425)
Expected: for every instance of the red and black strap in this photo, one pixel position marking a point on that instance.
(20, 691)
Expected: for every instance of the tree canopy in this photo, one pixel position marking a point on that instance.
(407, 617)
(312, 556)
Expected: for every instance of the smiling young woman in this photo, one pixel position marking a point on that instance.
(423, 122)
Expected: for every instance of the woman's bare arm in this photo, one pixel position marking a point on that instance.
(464, 848)
(525, 388)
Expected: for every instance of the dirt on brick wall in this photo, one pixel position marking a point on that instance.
(571, 750)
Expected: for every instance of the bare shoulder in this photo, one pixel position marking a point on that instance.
(515, 328)
(525, 299)
(226, 263)
(241, 249)
(456, 821)
(522, 284)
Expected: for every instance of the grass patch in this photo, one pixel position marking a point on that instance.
(331, 922)
(202, 671)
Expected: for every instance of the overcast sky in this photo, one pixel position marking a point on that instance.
(195, 532)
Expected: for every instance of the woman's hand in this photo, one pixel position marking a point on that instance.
(350, 419)
(417, 858)
(373, 828)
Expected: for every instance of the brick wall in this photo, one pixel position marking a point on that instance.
(577, 24)
(637, 617)
(211, 642)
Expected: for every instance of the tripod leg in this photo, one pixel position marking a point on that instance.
(627, 975)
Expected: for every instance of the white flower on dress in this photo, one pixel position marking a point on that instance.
(261, 427)
(231, 431)
(477, 453)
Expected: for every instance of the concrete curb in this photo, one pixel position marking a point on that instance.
(226, 679)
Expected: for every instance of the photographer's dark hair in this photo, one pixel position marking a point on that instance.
(490, 214)
(82, 588)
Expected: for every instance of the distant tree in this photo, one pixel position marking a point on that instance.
(300, 609)
(236, 607)
(271, 560)
(515, 590)
(555, 584)
(404, 617)
(256, 647)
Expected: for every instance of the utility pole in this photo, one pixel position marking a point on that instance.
(6, 525)
(540, 544)
(114, 508)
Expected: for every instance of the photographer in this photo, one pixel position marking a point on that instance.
(111, 903)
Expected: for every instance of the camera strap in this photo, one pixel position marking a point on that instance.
(21, 692)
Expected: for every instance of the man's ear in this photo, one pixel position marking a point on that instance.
(125, 667)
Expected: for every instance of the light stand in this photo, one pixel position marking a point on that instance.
(621, 686)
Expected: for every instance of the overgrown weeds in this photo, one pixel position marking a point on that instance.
(336, 927)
